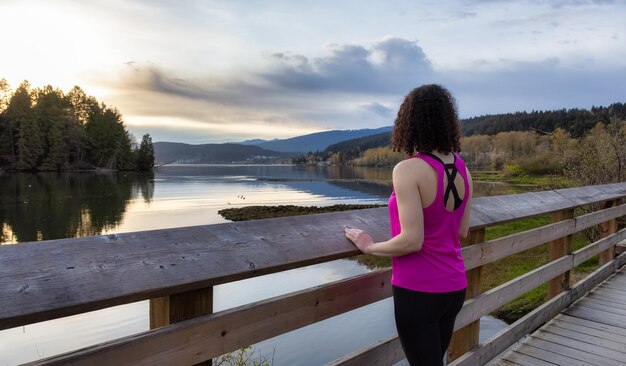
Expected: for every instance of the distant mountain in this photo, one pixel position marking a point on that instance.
(353, 148)
(253, 142)
(172, 152)
(318, 141)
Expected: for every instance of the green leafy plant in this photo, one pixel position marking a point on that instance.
(245, 356)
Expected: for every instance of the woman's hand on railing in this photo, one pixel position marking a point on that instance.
(360, 238)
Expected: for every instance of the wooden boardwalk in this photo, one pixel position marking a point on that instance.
(592, 331)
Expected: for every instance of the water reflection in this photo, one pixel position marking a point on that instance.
(64, 205)
(51, 206)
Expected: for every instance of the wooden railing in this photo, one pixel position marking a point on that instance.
(177, 268)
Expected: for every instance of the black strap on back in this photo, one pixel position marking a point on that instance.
(451, 172)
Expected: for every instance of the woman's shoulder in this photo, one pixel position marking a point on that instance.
(410, 166)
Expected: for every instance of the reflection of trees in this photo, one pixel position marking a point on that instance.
(374, 188)
(59, 205)
(358, 172)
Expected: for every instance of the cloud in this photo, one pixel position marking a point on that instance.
(387, 66)
(351, 86)
(378, 109)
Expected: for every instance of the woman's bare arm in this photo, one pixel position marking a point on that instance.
(411, 215)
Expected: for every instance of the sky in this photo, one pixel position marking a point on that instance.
(223, 71)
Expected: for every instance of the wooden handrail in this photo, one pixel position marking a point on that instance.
(71, 276)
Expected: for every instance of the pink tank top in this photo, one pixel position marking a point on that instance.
(438, 266)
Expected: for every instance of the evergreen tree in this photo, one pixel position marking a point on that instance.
(30, 144)
(126, 159)
(7, 128)
(80, 106)
(145, 153)
(53, 119)
(104, 132)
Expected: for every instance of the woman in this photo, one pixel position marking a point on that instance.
(429, 211)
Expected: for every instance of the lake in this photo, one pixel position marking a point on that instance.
(59, 205)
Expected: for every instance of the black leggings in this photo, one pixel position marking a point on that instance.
(425, 322)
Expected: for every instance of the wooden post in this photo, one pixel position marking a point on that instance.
(607, 228)
(178, 307)
(466, 338)
(559, 248)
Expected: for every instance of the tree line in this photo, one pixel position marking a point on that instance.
(45, 129)
(575, 121)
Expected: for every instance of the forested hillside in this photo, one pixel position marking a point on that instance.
(318, 141)
(532, 143)
(45, 129)
(171, 152)
(575, 121)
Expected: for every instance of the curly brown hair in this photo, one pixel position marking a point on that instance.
(427, 120)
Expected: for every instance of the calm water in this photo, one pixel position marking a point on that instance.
(51, 206)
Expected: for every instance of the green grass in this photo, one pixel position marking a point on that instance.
(506, 269)
(541, 181)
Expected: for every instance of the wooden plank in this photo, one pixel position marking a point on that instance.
(608, 228)
(553, 358)
(617, 288)
(584, 286)
(505, 363)
(71, 276)
(203, 338)
(385, 352)
(601, 327)
(500, 341)
(594, 218)
(587, 338)
(488, 211)
(596, 247)
(606, 302)
(609, 289)
(492, 250)
(557, 249)
(467, 337)
(498, 296)
(576, 353)
(505, 338)
(607, 308)
(576, 328)
(580, 345)
(525, 360)
(609, 295)
(596, 315)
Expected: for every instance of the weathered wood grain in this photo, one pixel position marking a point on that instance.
(200, 339)
(606, 329)
(71, 276)
(525, 360)
(492, 250)
(499, 342)
(559, 248)
(76, 275)
(467, 337)
(490, 300)
(580, 345)
(601, 342)
(558, 348)
(382, 353)
(608, 228)
(597, 247)
(553, 358)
